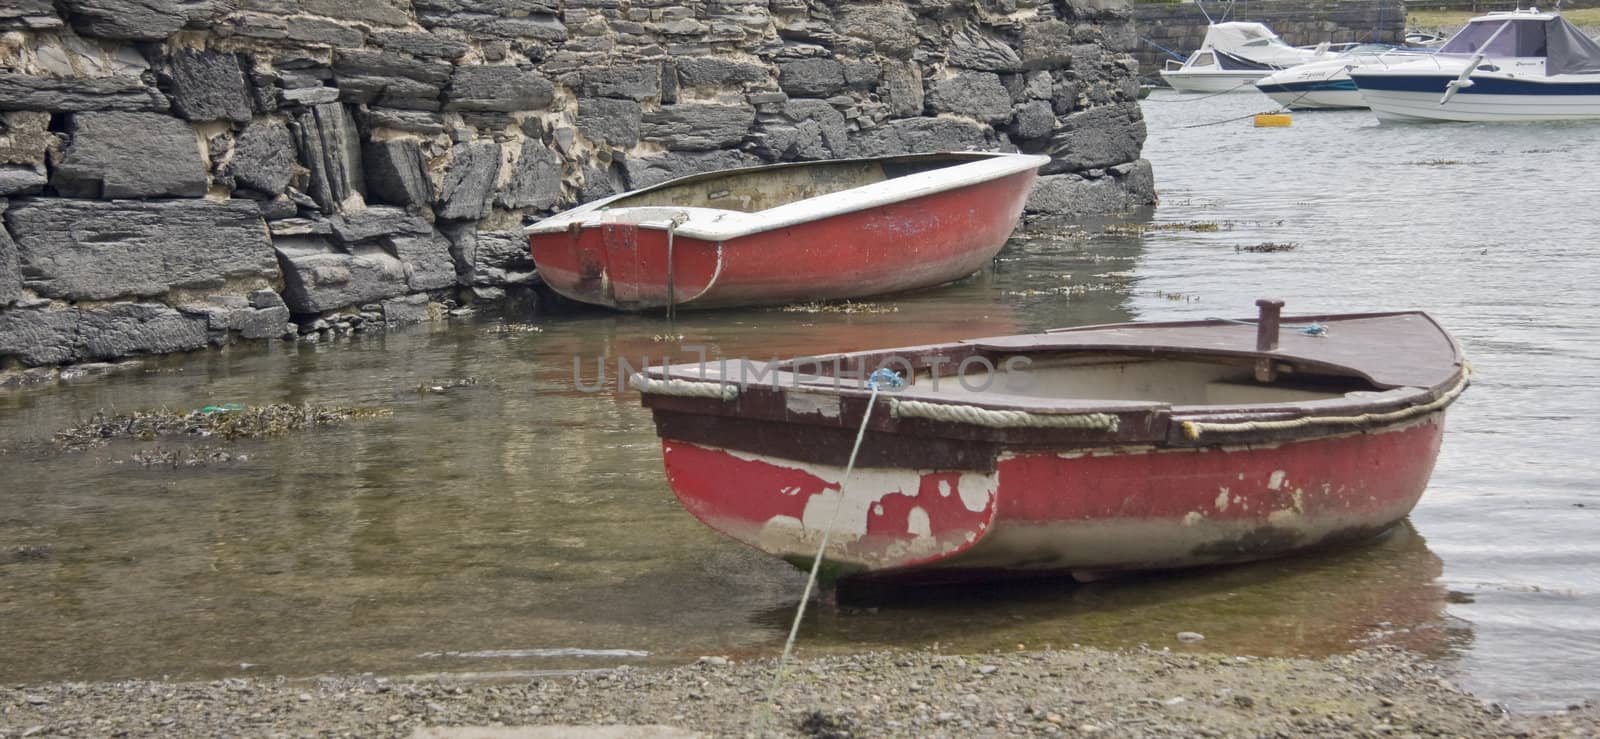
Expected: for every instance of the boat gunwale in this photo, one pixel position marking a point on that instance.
(717, 225)
(1158, 422)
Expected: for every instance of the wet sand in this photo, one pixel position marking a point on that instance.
(1079, 691)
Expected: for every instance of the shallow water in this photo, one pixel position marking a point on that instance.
(521, 524)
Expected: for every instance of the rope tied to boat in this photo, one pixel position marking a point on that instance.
(1193, 430)
(724, 391)
(883, 377)
(1002, 419)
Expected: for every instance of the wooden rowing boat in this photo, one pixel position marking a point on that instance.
(788, 233)
(1087, 450)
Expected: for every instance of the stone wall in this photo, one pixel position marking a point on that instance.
(1181, 27)
(182, 173)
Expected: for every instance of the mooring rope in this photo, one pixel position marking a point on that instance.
(684, 388)
(1001, 419)
(883, 376)
(1193, 430)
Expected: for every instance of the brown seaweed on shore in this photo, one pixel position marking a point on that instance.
(230, 423)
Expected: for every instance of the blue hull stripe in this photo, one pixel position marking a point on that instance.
(1317, 86)
(1481, 85)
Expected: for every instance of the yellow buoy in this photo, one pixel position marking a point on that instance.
(1272, 120)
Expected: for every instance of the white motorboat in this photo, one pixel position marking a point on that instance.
(1521, 65)
(1325, 83)
(1233, 55)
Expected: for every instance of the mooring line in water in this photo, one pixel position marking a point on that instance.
(883, 376)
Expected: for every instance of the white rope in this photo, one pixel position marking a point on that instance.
(1195, 429)
(684, 388)
(971, 414)
(816, 564)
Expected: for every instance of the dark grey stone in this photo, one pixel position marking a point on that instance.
(25, 137)
(93, 250)
(317, 279)
(265, 299)
(381, 12)
(697, 126)
(980, 49)
(498, 88)
(915, 135)
(814, 130)
(646, 171)
(376, 222)
(428, 265)
(390, 79)
(535, 179)
(610, 120)
(406, 311)
(512, 19)
(330, 146)
(130, 155)
(601, 182)
(978, 95)
(714, 72)
(501, 258)
(23, 180)
(264, 323)
(138, 328)
(29, 15)
(208, 86)
(321, 32)
(421, 44)
(138, 20)
(889, 27)
(1074, 196)
(1034, 120)
(396, 172)
(1097, 137)
(632, 81)
(862, 76)
(814, 78)
(413, 121)
(263, 157)
(308, 96)
(469, 181)
(901, 89)
(25, 92)
(40, 337)
(1047, 43)
(10, 272)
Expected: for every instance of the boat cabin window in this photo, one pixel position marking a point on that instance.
(1202, 59)
(1522, 38)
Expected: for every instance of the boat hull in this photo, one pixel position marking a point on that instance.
(1415, 98)
(1086, 511)
(1213, 81)
(1333, 94)
(914, 243)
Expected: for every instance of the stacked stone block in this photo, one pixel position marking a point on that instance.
(183, 173)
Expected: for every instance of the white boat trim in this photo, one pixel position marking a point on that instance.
(716, 224)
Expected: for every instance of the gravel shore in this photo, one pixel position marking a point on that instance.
(1383, 692)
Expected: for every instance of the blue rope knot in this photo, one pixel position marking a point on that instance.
(885, 377)
(1315, 329)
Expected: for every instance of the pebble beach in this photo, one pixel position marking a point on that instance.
(1073, 692)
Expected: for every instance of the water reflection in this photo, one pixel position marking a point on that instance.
(1383, 591)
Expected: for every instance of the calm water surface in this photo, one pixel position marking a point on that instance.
(518, 525)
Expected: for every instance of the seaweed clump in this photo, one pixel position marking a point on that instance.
(226, 422)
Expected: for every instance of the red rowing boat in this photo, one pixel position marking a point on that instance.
(1088, 450)
(788, 233)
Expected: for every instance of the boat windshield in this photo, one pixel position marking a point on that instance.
(1524, 38)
